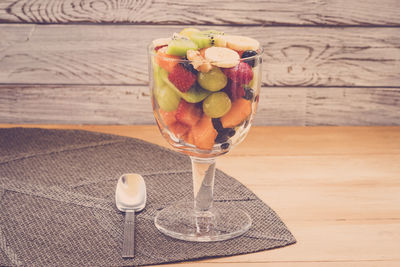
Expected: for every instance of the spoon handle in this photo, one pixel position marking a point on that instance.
(128, 246)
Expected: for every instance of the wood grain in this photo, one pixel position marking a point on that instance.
(82, 104)
(109, 54)
(286, 12)
(337, 189)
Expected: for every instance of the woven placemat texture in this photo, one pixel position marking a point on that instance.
(57, 201)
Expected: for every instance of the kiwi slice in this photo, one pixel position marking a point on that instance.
(179, 47)
(208, 38)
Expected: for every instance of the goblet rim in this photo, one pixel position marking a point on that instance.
(152, 52)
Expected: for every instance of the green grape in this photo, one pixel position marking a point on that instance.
(167, 99)
(213, 81)
(217, 105)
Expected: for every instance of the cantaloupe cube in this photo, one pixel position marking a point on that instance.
(240, 110)
(179, 129)
(168, 117)
(166, 61)
(204, 133)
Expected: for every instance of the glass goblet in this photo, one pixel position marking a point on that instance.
(203, 124)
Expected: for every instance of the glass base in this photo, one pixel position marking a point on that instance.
(223, 221)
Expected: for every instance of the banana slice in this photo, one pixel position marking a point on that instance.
(241, 43)
(198, 61)
(222, 57)
(161, 41)
(219, 40)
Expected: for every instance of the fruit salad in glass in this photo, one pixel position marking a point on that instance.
(205, 88)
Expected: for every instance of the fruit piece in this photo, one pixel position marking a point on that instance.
(218, 38)
(188, 113)
(188, 138)
(188, 32)
(217, 124)
(228, 132)
(247, 54)
(168, 117)
(203, 52)
(248, 93)
(161, 42)
(204, 133)
(217, 105)
(178, 47)
(166, 98)
(254, 83)
(212, 32)
(179, 129)
(202, 40)
(223, 133)
(240, 110)
(195, 93)
(240, 74)
(241, 43)
(182, 78)
(222, 57)
(198, 61)
(234, 90)
(225, 146)
(214, 80)
(158, 81)
(189, 66)
(165, 61)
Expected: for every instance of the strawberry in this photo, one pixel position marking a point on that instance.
(234, 90)
(159, 47)
(240, 74)
(188, 113)
(182, 78)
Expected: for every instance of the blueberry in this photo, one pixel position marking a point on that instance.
(231, 132)
(225, 146)
(221, 139)
(248, 93)
(188, 66)
(250, 53)
(217, 124)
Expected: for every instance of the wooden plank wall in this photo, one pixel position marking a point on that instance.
(331, 62)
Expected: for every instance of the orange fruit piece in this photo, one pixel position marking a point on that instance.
(189, 138)
(179, 129)
(204, 133)
(240, 110)
(168, 117)
(164, 60)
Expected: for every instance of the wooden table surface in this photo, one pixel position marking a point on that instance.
(336, 188)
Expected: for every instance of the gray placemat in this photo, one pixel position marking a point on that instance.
(57, 201)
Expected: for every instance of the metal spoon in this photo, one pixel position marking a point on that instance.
(130, 196)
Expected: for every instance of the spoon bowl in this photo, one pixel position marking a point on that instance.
(130, 194)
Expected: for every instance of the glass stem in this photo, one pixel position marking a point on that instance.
(203, 171)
